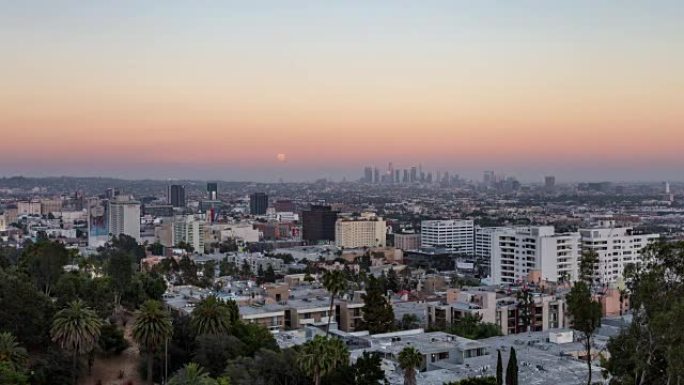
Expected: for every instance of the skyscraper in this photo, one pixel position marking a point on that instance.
(212, 190)
(376, 176)
(549, 182)
(176, 195)
(318, 224)
(124, 218)
(368, 175)
(258, 203)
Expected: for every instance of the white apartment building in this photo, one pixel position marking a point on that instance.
(368, 230)
(483, 240)
(189, 229)
(616, 248)
(28, 208)
(516, 252)
(124, 218)
(455, 235)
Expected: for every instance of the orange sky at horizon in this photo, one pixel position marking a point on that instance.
(525, 86)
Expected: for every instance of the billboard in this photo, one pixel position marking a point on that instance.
(98, 223)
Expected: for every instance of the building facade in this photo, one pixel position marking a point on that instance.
(258, 203)
(318, 224)
(368, 230)
(176, 195)
(455, 235)
(124, 218)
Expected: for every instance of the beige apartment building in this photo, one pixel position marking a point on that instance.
(367, 230)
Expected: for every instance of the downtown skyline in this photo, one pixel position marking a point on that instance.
(582, 91)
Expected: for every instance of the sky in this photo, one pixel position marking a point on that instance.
(262, 90)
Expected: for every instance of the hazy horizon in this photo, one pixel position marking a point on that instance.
(299, 91)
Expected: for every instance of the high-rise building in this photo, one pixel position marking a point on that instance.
(616, 248)
(258, 203)
(549, 182)
(318, 224)
(489, 177)
(414, 175)
(124, 217)
(111, 193)
(397, 178)
(376, 176)
(406, 176)
(407, 241)
(176, 195)
(368, 175)
(212, 190)
(98, 223)
(368, 230)
(516, 252)
(456, 235)
(189, 229)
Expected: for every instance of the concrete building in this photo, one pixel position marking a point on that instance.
(3, 222)
(518, 251)
(48, 206)
(454, 235)
(258, 203)
(616, 248)
(28, 208)
(318, 224)
(483, 241)
(407, 241)
(189, 229)
(367, 230)
(176, 195)
(349, 313)
(124, 217)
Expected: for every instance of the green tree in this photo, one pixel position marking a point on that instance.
(211, 316)
(392, 280)
(214, 352)
(192, 374)
(76, 329)
(43, 262)
(499, 368)
(12, 375)
(120, 270)
(320, 356)
(270, 274)
(512, 369)
(378, 316)
(245, 270)
(255, 337)
(584, 310)
(227, 268)
(335, 282)
(475, 381)
(525, 305)
(152, 328)
(11, 352)
(25, 311)
(156, 248)
(112, 340)
(471, 327)
(368, 369)
(209, 269)
(410, 359)
(409, 321)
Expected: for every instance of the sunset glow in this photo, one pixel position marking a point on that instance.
(225, 89)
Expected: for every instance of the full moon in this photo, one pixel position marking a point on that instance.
(281, 158)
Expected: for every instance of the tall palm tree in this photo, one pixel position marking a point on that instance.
(211, 316)
(11, 352)
(409, 360)
(151, 329)
(192, 374)
(76, 329)
(317, 358)
(335, 282)
(338, 351)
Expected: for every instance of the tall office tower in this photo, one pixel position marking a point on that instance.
(414, 175)
(406, 176)
(516, 252)
(549, 182)
(376, 176)
(616, 248)
(397, 178)
(111, 193)
(390, 172)
(368, 230)
(456, 235)
(488, 177)
(176, 195)
(428, 179)
(368, 175)
(212, 190)
(258, 203)
(318, 224)
(124, 217)
(667, 188)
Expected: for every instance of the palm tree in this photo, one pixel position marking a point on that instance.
(76, 329)
(338, 351)
(317, 357)
(409, 360)
(151, 329)
(335, 282)
(192, 374)
(11, 352)
(211, 316)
